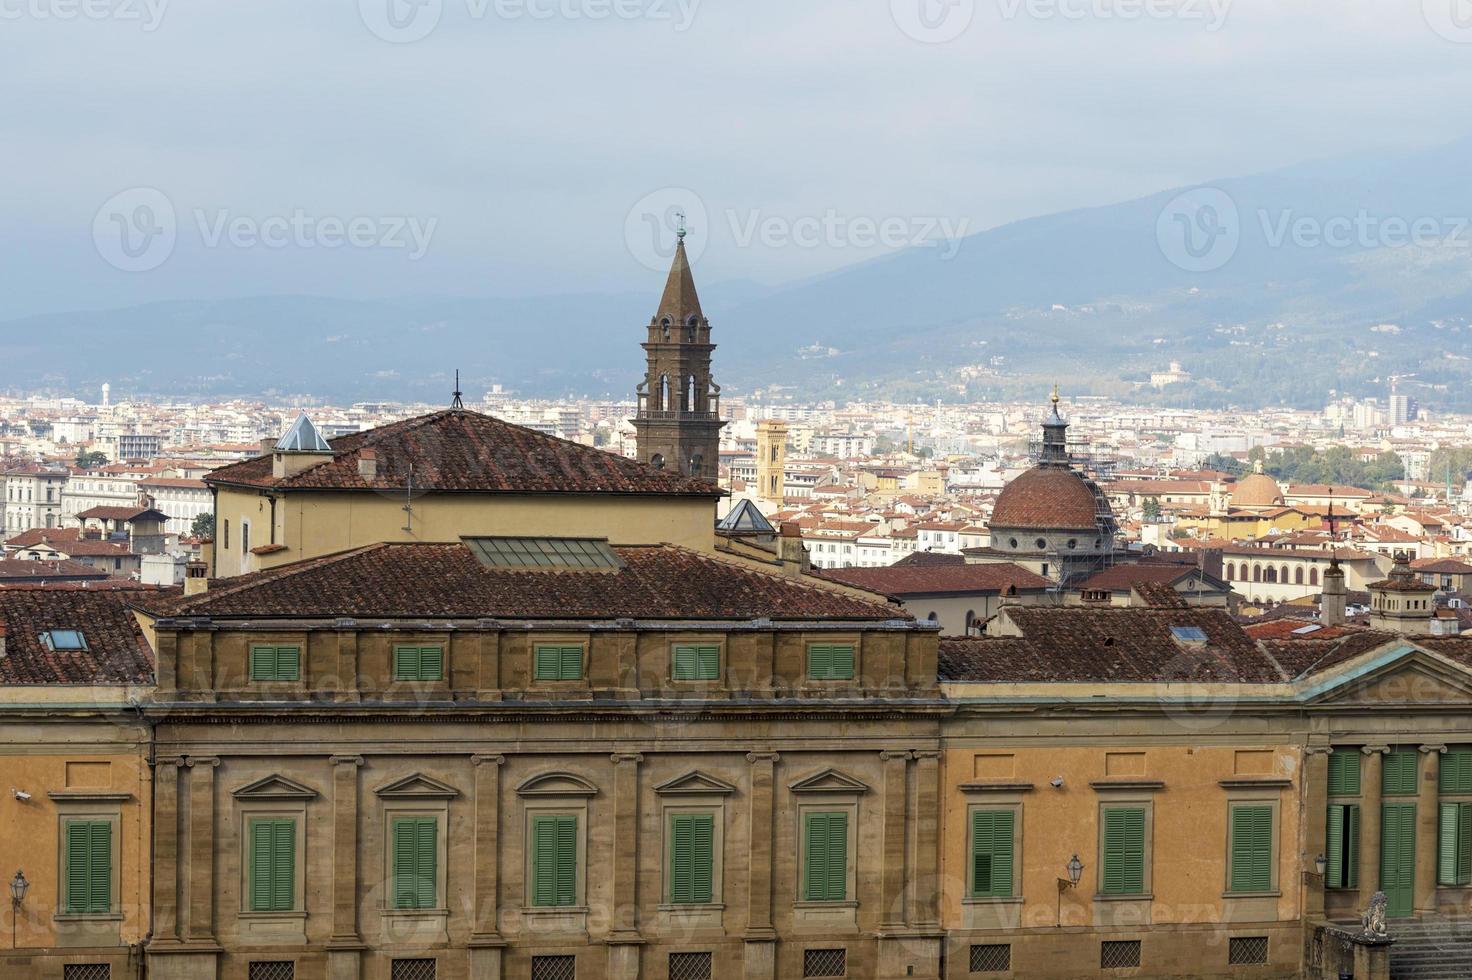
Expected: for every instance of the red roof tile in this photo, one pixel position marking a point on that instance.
(936, 579)
(1047, 497)
(116, 650)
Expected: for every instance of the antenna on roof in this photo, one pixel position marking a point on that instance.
(457, 402)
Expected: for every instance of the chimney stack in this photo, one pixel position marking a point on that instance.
(368, 464)
(196, 578)
(791, 551)
(1332, 603)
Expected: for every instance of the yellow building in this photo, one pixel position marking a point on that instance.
(437, 478)
(74, 819)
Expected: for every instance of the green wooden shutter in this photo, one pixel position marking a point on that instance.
(1344, 772)
(1464, 843)
(680, 859)
(685, 663)
(709, 665)
(544, 861)
(818, 663)
(1124, 851)
(991, 853)
(567, 860)
(100, 868)
(1252, 848)
(831, 661)
(837, 856)
(405, 853)
(691, 857)
(1446, 845)
(88, 867)
(1334, 846)
(1456, 771)
(694, 662)
(1398, 777)
(572, 663)
(406, 663)
(431, 663)
(283, 865)
(426, 855)
(260, 865)
(1352, 846)
(262, 663)
(826, 875)
(548, 663)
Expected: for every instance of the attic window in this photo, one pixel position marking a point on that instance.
(544, 553)
(64, 641)
(1305, 630)
(1188, 634)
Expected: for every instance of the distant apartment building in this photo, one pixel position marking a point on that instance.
(98, 489)
(844, 445)
(139, 446)
(32, 498)
(181, 500)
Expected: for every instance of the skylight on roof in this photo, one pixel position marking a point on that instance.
(1188, 634)
(544, 553)
(64, 641)
(1310, 628)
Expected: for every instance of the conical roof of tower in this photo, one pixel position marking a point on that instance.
(680, 300)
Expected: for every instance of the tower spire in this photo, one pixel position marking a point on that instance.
(680, 300)
(1055, 435)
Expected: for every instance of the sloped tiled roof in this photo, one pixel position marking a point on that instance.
(1047, 498)
(447, 580)
(116, 650)
(935, 579)
(456, 450)
(16, 571)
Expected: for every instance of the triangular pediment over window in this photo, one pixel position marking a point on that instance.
(829, 781)
(557, 784)
(418, 786)
(275, 788)
(695, 782)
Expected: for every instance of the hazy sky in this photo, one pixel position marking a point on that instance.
(160, 149)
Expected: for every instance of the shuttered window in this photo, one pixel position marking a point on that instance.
(558, 662)
(554, 860)
(1342, 845)
(419, 663)
(88, 867)
(1252, 848)
(416, 857)
(272, 865)
(1344, 772)
(275, 663)
(1399, 775)
(825, 868)
(692, 858)
(697, 662)
(1454, 845)
(991, 853)
(1456, 771)
(1124, 851)
(830, 661)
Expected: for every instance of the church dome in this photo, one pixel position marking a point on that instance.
(1257, 490)
(1047, 498)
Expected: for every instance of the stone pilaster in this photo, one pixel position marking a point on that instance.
(485, 940)
(488, 660)
(926, 912)
(761, 939)
(201, 923)
(1428, 798)
(348, 684)
(892, 857)
(623, 938)
(1315, 826)
(345, 946)
(1370, 776)
(166, 888)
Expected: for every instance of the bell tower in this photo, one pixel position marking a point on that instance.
(678, 423)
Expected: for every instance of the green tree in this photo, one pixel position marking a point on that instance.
(1151, 508)
(1224, 463)
(203, 526)
(90, 459)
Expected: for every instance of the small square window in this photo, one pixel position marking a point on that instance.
(992, 958)
(554, 968)
(825, 963)
(830, 661)
(557, 662)
(1119, 954)
(270, 663)
(64, 641)
(690, 966)
(412, 970)
(273, 970)
(412, 663)
(696, 662)
(1247, 950)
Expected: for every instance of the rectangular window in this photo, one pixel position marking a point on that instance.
(1252, 848)
(275, 663)
(697, 663)
(830, 661)
(415, 857)
(1454, 845)
(273, 970)
(554, 861)
(1456, 771)
(558, 663)
(1119, 954)
(1344, 772)
(825, 870)
(825, 963)
(1247, 950)
(412, 970)
(1399, 775)
(554, 968)
(272, 865)
(89, 867)
(64, 641)
(86, 971)
(991, 958)
(991, 853)
(691, 966)
(692, 858)
(1123, 859)
(419, 663)
(1343, 846)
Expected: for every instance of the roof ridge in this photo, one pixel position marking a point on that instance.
(279, 572)
(746, 567)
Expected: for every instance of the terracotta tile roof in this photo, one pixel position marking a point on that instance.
(458, 450)
(14, 570)
(173, 483)
(932, 579)
(1047, 497)
(121, 513)
(44, 535)
(1443, 566)
(1121, 578)
(116, 650)
(447, 580)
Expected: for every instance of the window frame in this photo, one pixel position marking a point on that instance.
(89, 815)
(264, 808)
(535, 809)
(249, 822)
(1272, 808)
(1014, 811)
(698, 646)
(276, 648)
(828, 675)
(562, 645)
(1102, 893)
(400, 676)
(673, 813)
(409, 807)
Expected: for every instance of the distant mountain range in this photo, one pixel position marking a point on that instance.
(1334, 275)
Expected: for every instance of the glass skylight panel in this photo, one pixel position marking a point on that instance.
(1188, 634)
(544, 553)
(63, 640)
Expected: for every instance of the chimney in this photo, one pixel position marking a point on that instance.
(368, 464)
(196, 578)
(268, 446)
(1332, 603)
(791, 551)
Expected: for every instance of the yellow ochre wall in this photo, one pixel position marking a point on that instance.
(1186, 853)
(91, 769)
(314, 524)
